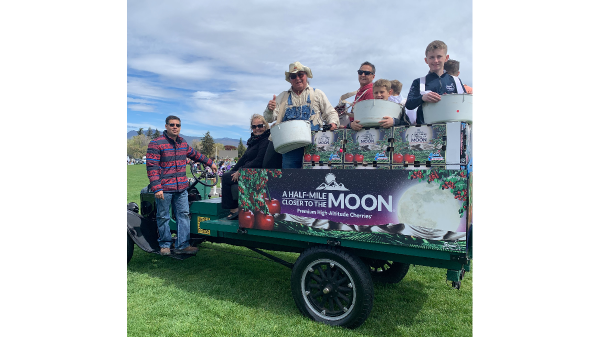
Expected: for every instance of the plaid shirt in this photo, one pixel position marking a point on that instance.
(165, 163)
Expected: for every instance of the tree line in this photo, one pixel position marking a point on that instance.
(138, 145)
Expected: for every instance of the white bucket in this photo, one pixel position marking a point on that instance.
(369, 112)
(451, 108)
(290, 135)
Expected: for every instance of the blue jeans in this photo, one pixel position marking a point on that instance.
(292, 159)
(179, 202)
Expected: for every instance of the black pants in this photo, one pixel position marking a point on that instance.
(227, 201)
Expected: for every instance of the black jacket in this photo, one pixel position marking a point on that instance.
(441, 84)
(255, 153)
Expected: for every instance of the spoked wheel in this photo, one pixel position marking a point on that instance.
(130, 245)
(332, 286)
(387, 271)
(201, 176)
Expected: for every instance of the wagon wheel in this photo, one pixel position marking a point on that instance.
(130, 246)
(332, 286)
(200, 175)
(387, 271)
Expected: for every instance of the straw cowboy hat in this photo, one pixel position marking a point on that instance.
(296, 67)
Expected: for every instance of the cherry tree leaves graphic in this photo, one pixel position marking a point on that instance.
(453, 180)
(253, 189)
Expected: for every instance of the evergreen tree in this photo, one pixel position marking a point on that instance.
(140, 131)
(149, 133)
(156, 134)
(241, 149)
(208, 145)
(197, 145)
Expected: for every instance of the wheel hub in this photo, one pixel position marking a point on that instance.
(328, 289)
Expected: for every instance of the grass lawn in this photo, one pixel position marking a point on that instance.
(231, 291)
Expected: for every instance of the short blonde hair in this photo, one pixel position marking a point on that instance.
(437, 44)
(383, 83)
(396, 86)
(258, 116)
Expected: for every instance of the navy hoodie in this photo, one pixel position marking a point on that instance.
(440, 84)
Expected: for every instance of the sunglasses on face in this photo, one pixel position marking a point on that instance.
(260, 126)
(293, 76)
(361, 72)
(173, 124)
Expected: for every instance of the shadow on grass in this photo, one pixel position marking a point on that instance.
(265, 285)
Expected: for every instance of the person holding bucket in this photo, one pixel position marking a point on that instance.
(300, 102)
(437, 82)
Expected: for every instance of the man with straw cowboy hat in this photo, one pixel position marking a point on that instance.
(300, 102)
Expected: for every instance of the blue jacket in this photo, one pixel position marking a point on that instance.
(440, 84)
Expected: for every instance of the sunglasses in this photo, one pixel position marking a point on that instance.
(260, 126)
(173, 124)
(361, 72)
(293, 76)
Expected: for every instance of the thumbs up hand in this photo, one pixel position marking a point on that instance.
(272, 103)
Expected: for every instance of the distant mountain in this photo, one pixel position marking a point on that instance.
(332, 186)
(190, 139)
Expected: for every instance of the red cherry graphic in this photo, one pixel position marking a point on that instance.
(246, 219)
(349, 157)
(359, 158)
(264, 221)
(316, 157)
(398, 158)
(274, 206)
(307, 157)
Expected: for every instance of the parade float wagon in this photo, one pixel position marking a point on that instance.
(365, 206)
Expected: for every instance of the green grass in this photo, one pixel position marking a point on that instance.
(222, 293)
(137, 179)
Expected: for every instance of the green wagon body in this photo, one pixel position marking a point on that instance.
(331, 256)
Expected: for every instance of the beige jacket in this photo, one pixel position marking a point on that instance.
(319, 103)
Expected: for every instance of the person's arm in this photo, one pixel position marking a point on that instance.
(272, 110)
(414, 99)
(153, 166)
(199, 157)
(328, 113)
(464, 87)
(355, 125)
(240, 162)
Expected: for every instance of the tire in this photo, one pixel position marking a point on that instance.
(332, 286)
(130, 246)
(387, 271)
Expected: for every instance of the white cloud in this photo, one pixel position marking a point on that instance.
(205, 95)
(145, 125)
(141, 107)
(143, 88)
(171, 66)
(138, 100)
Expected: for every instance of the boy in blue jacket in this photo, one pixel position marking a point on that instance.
(437, 82)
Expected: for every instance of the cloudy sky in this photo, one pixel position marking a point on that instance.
(216, 63)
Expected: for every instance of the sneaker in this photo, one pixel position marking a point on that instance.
(165, 251)
(189, 250)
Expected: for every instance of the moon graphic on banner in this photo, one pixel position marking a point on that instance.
(427, 205)
(329, 178)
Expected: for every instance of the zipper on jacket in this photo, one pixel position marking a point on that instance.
(176, 181)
